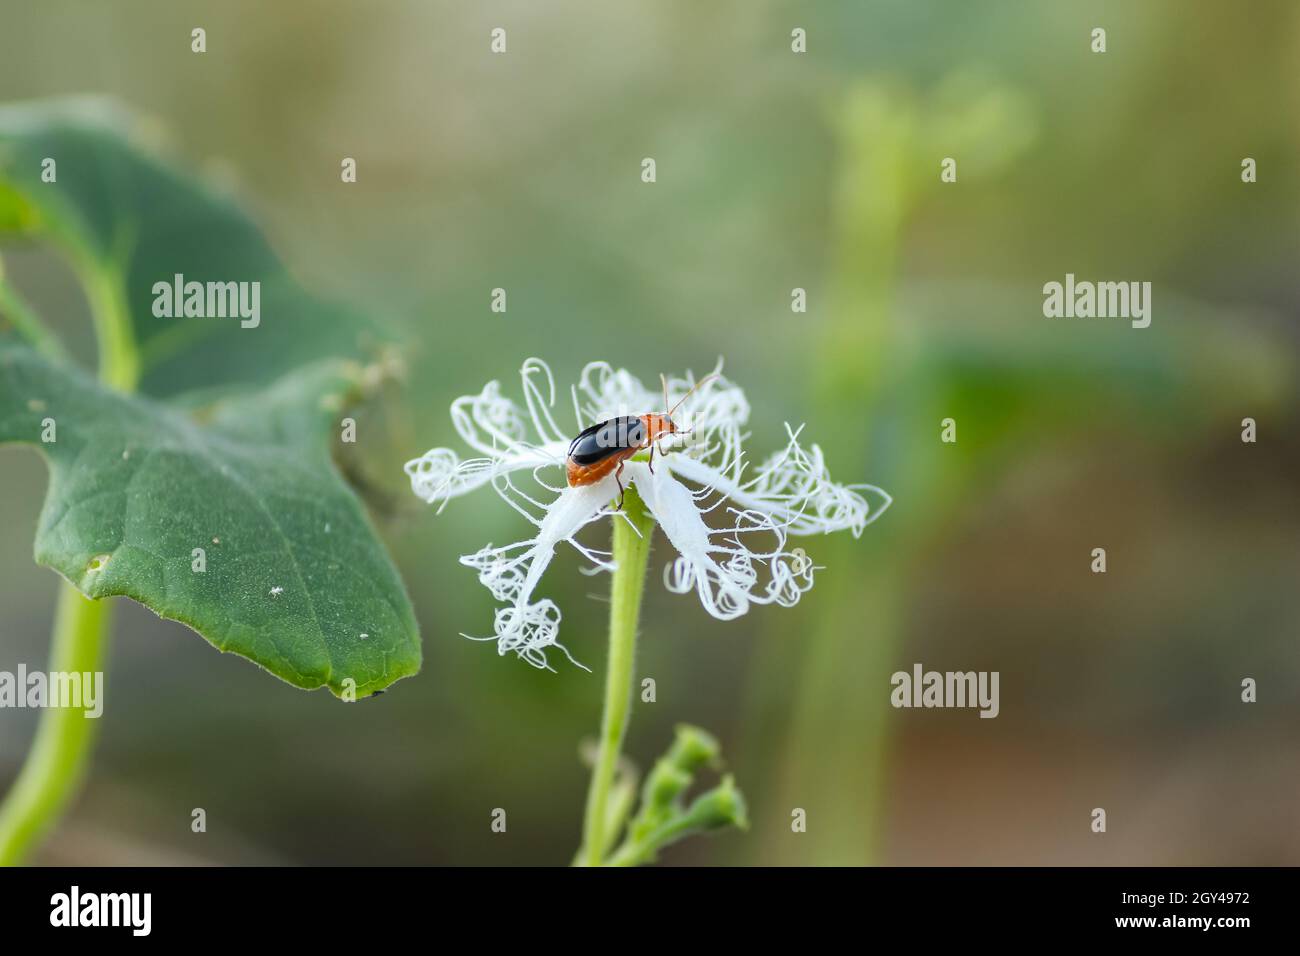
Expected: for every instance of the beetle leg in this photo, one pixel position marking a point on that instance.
(653, 445)
(618, 477)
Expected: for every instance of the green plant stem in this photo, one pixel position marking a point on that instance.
(56, 764)
(643, 851)
(631, 552)
(119, 354)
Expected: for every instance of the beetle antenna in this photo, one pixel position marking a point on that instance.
(706, 378)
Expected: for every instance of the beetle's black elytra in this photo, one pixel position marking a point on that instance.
(606, 438)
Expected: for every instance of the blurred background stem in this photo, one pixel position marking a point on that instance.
(631, 549)
(856, 626)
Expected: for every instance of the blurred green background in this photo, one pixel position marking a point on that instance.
(775, 171)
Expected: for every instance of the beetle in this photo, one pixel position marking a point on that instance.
(606, 446)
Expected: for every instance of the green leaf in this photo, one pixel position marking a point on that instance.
(126, 220)
(295, 578)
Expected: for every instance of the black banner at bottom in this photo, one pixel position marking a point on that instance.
(366, 906)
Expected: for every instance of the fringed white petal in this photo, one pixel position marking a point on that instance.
(440, 474)
(512, 572)
(605, 392)
(722, 568)
(792, 487)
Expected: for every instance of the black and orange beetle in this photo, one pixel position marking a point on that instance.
(606, 446)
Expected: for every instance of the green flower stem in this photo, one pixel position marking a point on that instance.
(56, 764)
(631, 554)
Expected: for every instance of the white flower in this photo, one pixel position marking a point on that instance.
(702, 473)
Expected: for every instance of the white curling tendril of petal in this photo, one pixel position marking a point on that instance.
(494, 426)
(795, 488)
(721, 568)
(526, 627)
